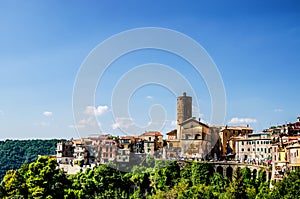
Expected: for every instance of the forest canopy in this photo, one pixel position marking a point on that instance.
(14, 153)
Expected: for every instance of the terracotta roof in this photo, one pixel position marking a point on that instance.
(127, 137)
(236, 128)
(77, 142)
(152, 133)
(172, 132)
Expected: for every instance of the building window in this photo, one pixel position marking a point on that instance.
(242, 142)
(248, 149)
(257, 142)
(149, 138)
(253, 149)
(242, 149)
(257, 149)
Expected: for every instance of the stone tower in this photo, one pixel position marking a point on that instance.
(184, 108)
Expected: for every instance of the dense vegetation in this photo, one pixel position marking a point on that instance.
(42, 179)
(14, 153)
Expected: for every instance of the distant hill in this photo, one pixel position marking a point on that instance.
(13, 153)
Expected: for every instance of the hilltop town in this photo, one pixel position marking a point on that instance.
(277, 147)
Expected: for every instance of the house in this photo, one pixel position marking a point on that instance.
(173, 148)
(64, 152)
(285, 156)
(125, 142)
(123, 156)
(226, 138)
(293, 155)
(153, 141)
(108, 148)
(255, 147)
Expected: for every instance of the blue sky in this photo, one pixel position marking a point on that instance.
(255, 45)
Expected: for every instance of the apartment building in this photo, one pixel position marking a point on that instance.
(255, 147)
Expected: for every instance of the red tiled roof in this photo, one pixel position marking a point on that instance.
(152, 133)
(172, 132)
(128, 137)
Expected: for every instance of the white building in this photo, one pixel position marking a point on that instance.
(255, 147)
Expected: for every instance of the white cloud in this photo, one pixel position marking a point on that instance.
(149, 97)
(278, 110)
(47, 113)
(100, 110)
(236, 120)
(89, 119)
(122, 122)
(85, 122)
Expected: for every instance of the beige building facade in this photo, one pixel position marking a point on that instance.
(255, 147)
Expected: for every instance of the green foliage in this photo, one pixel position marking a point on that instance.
(14, 153)
(40, 179)
(289, 187)
(43, 179)
(201, 172)
(14, 184)
(219, 183)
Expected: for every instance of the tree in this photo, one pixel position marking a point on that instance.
(14, 184)
(219, 183)
(45, 180)
(14, 153)
(289, 187)
(201, 172)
